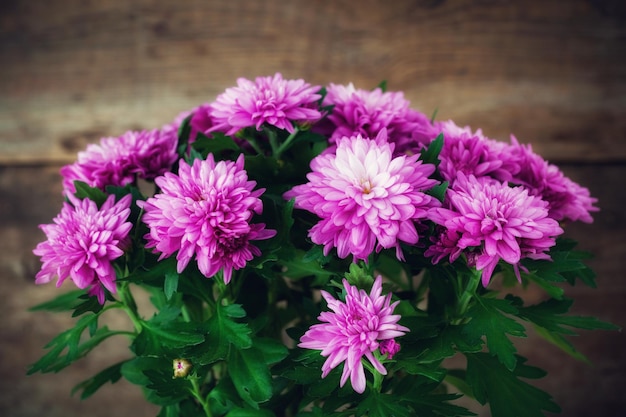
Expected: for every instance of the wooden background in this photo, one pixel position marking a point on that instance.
(552, 72)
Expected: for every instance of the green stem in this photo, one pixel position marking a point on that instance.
(466, 297)
(128, 304)
(285, 145)
(198, 396)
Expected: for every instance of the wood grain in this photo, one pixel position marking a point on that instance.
(553, 74)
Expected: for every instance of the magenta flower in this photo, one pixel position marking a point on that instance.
(472, 153)
(366, 199)
(566, 199)
(355, 329)
(206, 211)
(118, 161)
(82, 243)
(496, 222)
(200, 122)
(366, 113)
(272, 100)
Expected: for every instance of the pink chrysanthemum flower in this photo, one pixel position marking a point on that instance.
(472, 153)
(82, 243)
(498, 222)
(206, 211)
(272, 100)
(118, 161)
(366, 113)
(355, 329)
(567, 200)
(200, 122)
(366, 198)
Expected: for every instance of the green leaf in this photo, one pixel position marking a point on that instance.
(250, 375)
(439, 191)
(297, 268)
(89, 386)
(566, 264)
(552, 323)
(429, 370)
(375, 404)
(223, 332)
(272, 350)
(170, 285)
(64, 302)
(67, 347)
(487, 319)
(219, 145)
(184, 130)
(246, 412)
(430, 155)
(507, 395)
(92, 193)
(155, 374)
(383, 85)
(436, 405)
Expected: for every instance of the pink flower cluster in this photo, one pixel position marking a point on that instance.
(119, 161)
(205, 212)
(356, 328)
(83, 241)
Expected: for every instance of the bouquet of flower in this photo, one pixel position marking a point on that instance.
(315, 251)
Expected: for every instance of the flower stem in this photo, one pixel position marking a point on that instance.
(204, 402)
(128, 304)
(466, 297)
(283, 147)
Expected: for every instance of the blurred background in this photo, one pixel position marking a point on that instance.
(551, 72)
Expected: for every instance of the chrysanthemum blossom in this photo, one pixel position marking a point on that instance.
(355, 329)
(200, 121)
(119, 161)
(497, 222)
(83, 242)
(205, 212)
(567, 200)
(366, 113)
(272, 100)
(472, 153)
(366, 199)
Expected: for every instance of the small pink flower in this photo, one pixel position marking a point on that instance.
(205, 212)
(119, 161)
(472, 153)
(366, 199)
(566, 199)
(266, 100)
(496, 221)
(355, 329)
(82, 243)
(366, 113)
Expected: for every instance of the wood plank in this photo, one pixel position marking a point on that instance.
(75, 71)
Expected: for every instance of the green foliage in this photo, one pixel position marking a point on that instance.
(507, 395)
(207, 348)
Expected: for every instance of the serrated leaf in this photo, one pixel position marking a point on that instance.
(487, 319)
(552, 324)
(436, 405)
(89, 386)
(507, 395)
(67, 347)
(375, 404)
(250, 375)
(224, 332)
(170, 286)
(64, 302)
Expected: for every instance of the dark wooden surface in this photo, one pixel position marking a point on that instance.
(71, 71)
